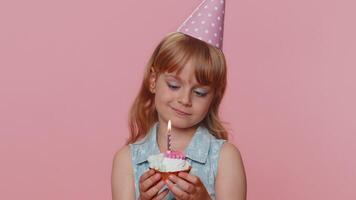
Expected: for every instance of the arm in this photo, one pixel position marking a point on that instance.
(230, 179)
(122, 180)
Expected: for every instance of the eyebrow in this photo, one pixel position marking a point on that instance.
(177, 77)
(174, 76)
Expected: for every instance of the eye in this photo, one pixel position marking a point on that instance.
(200, 93)
(173, 86)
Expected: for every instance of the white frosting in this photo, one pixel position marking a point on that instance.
(163, 164)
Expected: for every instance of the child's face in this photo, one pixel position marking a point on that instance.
(180, 98)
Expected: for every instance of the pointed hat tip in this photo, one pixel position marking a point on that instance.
(206, 23)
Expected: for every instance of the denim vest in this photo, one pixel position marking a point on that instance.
(202, 153)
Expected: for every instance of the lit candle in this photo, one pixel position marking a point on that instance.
(169, 142)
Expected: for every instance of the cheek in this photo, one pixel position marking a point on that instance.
(163, 95)
(203, 105)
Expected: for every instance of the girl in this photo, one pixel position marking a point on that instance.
(184, 82)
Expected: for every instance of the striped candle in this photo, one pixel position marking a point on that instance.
(169, 141)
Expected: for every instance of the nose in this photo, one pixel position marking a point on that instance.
(185, 98)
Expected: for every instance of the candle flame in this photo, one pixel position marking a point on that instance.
(169, 126)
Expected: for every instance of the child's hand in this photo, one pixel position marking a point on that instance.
(186, 187)
(150, 185)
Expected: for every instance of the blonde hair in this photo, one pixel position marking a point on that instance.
(171, 55)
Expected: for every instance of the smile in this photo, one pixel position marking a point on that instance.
(179, 112)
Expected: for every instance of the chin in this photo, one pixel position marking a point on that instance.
(183, 124)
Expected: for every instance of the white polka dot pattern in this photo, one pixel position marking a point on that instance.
(208, 17)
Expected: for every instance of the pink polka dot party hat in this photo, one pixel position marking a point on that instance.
(206, 23)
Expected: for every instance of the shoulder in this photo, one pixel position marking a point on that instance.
(229, 150)
(122, 161)
(230, 158)
(122, 174)
(124, 151)
(122, 156)
(231, 177)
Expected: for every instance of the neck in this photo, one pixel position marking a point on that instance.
(180, 137)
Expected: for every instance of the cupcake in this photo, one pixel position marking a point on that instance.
(170, 162)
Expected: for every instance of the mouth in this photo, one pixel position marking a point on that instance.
(179, 112)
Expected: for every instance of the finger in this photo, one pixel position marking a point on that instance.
(177, 192)
(146, 184)
(153, 191)
(184, 185)
(146, 175)
(161, 195)
(190, 178)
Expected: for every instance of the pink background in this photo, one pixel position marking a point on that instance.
(70, 69)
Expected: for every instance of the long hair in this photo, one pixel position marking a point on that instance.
(172, 54)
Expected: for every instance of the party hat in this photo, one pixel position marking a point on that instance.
(206, 23)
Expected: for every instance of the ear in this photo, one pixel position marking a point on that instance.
(153, 79)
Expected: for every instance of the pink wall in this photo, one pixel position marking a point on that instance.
(70, 69)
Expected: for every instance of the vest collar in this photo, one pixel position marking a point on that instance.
(197, 149)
